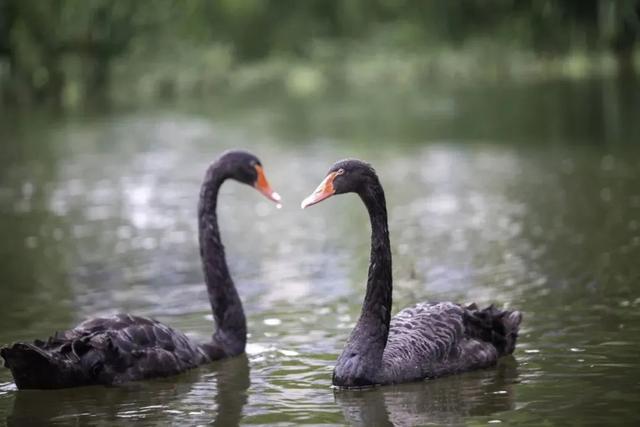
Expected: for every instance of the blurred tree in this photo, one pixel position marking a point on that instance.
(36, 37)
(619, 24)
(49, 48)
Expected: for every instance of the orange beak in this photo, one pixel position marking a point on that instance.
(324, 191)
(262, 185)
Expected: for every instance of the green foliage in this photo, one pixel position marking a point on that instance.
(71, 51)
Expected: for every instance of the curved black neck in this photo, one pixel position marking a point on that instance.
(231, 331)
(369, 336)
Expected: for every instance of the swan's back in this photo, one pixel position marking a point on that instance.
(431, 340)
(108, 350)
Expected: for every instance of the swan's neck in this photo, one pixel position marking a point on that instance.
(369, 337)
(231, 331)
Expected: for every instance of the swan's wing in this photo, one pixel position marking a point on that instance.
(435, 339)
(104, 351)
(134, 333)
(421, 339)
(131, 347)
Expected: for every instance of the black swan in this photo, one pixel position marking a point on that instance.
(122, 348)
(427, 340)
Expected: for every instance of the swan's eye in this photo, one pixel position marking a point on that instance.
(95, 369)
(340, 171)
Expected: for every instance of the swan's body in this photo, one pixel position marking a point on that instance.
(425, 341)
(432, 340)
(109, 350)
(122, 348)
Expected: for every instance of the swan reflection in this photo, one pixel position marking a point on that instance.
(213, 394)
(443, 401)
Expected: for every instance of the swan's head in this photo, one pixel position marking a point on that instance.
(345, 176)
(246, 168)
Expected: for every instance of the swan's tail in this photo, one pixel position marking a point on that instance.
(511, 321)
(35, 368)
(499, 327)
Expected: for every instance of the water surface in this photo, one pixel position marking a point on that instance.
(526, 196)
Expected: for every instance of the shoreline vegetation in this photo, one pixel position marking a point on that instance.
(214, 71)
(111, 52)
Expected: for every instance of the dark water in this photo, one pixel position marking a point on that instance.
(526, 196)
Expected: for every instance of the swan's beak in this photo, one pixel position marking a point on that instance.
(324, 191)
(262, 185)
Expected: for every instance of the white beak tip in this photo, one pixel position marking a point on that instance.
(305, 203)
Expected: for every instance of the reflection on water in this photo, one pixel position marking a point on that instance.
(501, 202)
(447, 401)
(199, 396)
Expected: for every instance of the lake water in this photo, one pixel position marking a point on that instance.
(523, 195)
